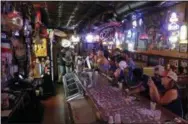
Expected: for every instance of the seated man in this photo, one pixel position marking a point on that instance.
(170, 98)
(138, 83)
(143, 86)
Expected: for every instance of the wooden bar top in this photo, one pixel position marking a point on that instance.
(165, 53)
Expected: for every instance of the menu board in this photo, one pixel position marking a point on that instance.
(40, 50)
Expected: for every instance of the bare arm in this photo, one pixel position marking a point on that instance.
(137, 90)
(167, 98)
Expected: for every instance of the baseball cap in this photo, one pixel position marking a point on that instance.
(160, 69)
(172, 75)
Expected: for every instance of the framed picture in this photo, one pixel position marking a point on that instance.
(135, 56)
(161, 61)
(174, 62)
(183, 48)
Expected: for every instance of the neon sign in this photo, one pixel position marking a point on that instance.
(173, 18)
(172, 27)
(140, 22)
(134, 23)
(173, 22)
(129, 34)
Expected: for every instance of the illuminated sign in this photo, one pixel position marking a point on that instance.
(173, 18)
(129, 34)
(172, 27)
(65, 43)
(173, 22)
(75, 39)
(173, 39)
(89, 38)
(3, 36)
(134, 23)
(183, 32)
(140, 22)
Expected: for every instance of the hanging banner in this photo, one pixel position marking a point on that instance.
(40, 50)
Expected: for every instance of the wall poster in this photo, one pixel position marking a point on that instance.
(40, 50)
(183, 48)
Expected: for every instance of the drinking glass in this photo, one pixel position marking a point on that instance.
(157, 115)
(110, 120)
(152, 105)
(117, 118)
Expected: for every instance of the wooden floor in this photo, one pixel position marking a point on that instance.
(55, 108)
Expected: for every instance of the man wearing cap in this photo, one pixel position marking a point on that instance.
(170, 98)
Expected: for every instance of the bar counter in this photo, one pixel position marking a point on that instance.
(110, 100)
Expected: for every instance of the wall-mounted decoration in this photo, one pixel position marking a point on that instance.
(184, 64)
(65, 43)
(183, 48)
(135, 56)
(144, 58)
(183, 34)
(161, 61)
(153, 61)
(40, 50)
(107, 34)
(174, 62)
(173, 28)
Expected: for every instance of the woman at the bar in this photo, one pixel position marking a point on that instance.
(170, 98)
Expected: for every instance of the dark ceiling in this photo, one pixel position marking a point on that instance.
(79, 14)
(70, 14)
